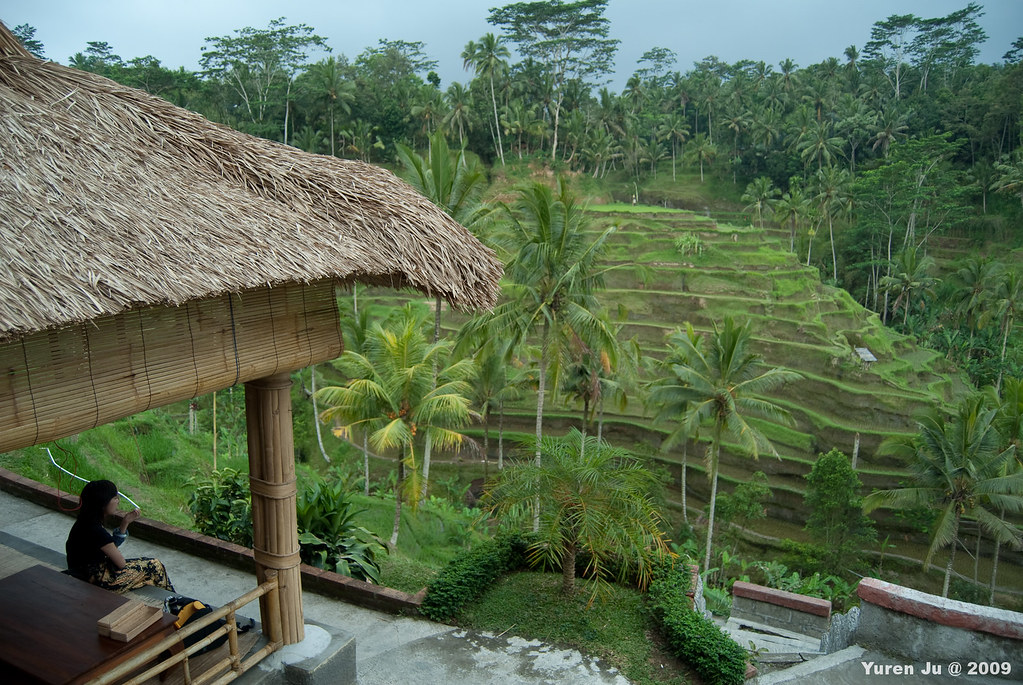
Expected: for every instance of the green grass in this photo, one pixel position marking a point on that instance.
(618, 630)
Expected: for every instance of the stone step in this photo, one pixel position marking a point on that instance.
(774, 644)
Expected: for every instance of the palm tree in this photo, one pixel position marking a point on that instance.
(833, 187)
(910, 276)
(355, 327)
(396, 391)
(819, 144)
(1008, 304)
(494, 385)
(329, 80)
(703, 150)
(675, 130)
(553, 275)
(459, 103)
(595, 501)
(759, 194)
(489, 57)
(1010, 176)
(446, 180)
(671, 401)
(723, 384)
(957, 468)
(1009, 422)
(791, 209)
(891, 125)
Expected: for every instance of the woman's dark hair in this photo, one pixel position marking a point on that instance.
(94, 498)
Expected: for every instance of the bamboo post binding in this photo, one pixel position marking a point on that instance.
(274, 492)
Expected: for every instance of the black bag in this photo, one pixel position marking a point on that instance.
(194, 610)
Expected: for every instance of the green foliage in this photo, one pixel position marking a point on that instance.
(688, 245)
(717, 658)
(328, 535)
(220, 506)
(594, 501)
(468, 576)
(836, 519)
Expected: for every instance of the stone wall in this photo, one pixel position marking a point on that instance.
(923, 627)
(780, 609)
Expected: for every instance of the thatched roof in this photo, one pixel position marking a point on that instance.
(112, 199)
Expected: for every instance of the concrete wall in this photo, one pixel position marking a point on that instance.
(923, 627)
(780, 609)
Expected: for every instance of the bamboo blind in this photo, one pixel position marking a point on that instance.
(60, 382)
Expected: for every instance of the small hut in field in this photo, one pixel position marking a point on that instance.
(149, 256)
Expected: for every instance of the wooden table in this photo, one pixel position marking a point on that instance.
(48, 629)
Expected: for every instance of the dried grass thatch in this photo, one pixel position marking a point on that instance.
(112, 199)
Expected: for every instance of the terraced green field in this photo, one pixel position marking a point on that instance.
(800, 323)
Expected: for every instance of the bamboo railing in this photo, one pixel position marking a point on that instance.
(233, 662)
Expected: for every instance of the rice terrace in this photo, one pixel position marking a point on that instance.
(704, 377)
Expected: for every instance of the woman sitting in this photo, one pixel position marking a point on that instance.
(92, 552)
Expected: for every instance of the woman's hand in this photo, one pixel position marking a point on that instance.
(129, 518)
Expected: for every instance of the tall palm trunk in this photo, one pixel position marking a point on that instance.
(365, 462)
(427, 449)
(316, 413)
(834, 257)
(486, 441)
(951, 556)
(539, 409)
(497, 121)
(397, 499)
(500, 436)
(994, 574)
(715, 454)
(685, 459)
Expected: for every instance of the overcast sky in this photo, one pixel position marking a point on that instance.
(807, 31)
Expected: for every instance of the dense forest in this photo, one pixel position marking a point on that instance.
(878, 151)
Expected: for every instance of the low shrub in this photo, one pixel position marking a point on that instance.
(717, 658)
(470, 574)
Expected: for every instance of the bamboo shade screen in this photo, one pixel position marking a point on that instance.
(60, 382)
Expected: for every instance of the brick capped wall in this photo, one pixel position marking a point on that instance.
(780, 609)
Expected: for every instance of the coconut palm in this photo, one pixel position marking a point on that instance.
(833, 192)
(957, 466)
(675, 130)
(339, 93)
(792, 208)
(401, 389)
(1007, 301)
(670, 399)
(489, 57)
(909, 276)
(758, 196)
(595, 501)
(459, 103)
(553, 276)
(703, 150)
(453, 185)
(1010, 176)
(1009, 422)
(724, 384)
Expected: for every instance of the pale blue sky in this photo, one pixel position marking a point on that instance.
(807, 31)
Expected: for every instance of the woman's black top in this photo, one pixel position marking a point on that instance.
(83, 547)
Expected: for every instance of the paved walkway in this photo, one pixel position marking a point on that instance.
(389, 649)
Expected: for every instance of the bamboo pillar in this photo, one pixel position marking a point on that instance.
(272, 484)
